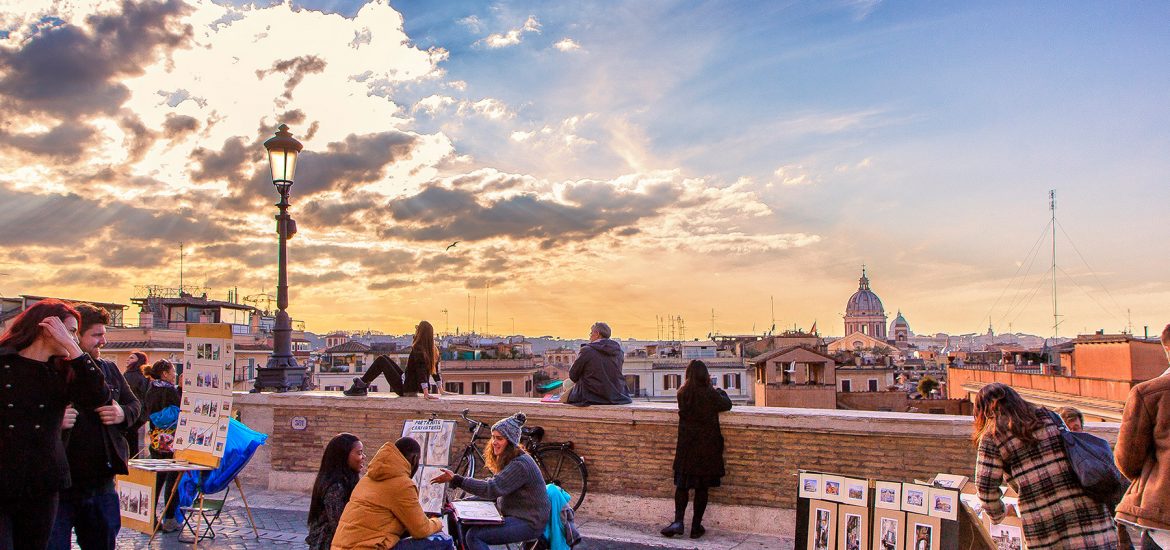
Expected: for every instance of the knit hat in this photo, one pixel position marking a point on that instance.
(510, 427)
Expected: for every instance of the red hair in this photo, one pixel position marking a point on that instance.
(26, 328)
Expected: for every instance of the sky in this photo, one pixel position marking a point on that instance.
(731, 163)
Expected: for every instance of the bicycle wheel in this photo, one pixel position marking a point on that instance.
(466, 468)
(566, 469)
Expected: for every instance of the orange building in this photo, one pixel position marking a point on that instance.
(1095, 374)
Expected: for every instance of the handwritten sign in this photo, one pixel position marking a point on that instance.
(424, 426)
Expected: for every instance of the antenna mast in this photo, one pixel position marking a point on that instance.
(180, 267)
(1055, 317)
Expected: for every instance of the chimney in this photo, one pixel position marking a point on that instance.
(145, 318)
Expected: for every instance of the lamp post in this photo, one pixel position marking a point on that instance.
(282, 373)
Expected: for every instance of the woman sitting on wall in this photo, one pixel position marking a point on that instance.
(517, 486)
(421, 368)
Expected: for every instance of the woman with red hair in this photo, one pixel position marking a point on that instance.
(42, 369)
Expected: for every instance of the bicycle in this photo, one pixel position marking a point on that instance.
(558, 463)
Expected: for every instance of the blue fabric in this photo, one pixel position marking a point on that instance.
(557, 499)
(238, 449)
(513, 530)
(96, 519)
(166, 418)
(437, 541)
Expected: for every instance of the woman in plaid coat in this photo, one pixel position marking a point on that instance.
(1020, 444)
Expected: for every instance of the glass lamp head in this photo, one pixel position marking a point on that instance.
(282, 155)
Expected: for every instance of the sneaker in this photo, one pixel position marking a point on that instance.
(673, 529)
(169, 526)
(358, 389)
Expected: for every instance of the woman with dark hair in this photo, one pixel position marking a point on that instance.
(517, 487)
(341, 467)
(138, 383)
(162, 394)
(421, 365)
(698, 456)
(42, 369)
(1020, 444)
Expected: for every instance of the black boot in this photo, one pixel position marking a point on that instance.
(697, 530)
(358, 389)
(673, 529)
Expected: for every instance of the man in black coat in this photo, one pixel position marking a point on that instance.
(597, 372)
(96, 447)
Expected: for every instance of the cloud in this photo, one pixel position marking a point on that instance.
(567, 45)
(794, 175)
(296, 68)
(512, 37)
(472, 23)
(227, 164)
(492, 109)
(66, 71)
(176, 126)
(66, 141)
(356, 160)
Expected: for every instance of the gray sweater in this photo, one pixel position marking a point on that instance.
(518, 490)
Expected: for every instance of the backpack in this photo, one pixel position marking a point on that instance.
(568, 528)
(1091, 460)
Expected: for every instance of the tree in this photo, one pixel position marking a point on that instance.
(927, 385)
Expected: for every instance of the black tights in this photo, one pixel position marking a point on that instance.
(680, 504)
(386, 367)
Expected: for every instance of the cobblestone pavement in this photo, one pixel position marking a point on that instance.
(280, 523)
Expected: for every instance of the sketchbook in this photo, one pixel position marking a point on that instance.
(477, 511)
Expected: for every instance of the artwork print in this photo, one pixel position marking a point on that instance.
(135, 501)
(923, 536)
(887, 534)
(1007, 537)
(822, 527)
(852, 532)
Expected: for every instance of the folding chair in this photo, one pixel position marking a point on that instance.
(208, 510)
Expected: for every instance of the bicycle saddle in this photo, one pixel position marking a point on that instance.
(535, 432)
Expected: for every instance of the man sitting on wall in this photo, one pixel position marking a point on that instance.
(597, 372)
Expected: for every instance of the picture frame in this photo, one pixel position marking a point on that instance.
(889, 529)
(887, 495)
(915, 498)
(809, 485)
(852, 528)
(822, 526)
(950, 481)
(923, 532)
(944, 503)
(832, 488)
(855, 492)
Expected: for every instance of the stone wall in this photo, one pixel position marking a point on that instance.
(629, 449)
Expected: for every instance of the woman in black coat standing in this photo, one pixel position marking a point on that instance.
(698, 458)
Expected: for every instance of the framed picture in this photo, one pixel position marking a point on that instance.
(889, 529)
(833, 488)
(810, 485)
(1008, 535)
(852, 528)
(944, 503)
(972, 502)
(915, 497)
(923, 532)
(822, 525)
(855, 492)
(950, 481)
(888, 495)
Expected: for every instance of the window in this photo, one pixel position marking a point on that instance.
(846, 386)
(671, 381)
(506, 387)
(731, 381)
(873, 384)
(714, 382)
(480, 388)
(454, 387)
(528, 387)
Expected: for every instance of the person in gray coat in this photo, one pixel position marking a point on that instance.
(597, 372)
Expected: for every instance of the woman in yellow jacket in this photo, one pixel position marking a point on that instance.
(384, 507)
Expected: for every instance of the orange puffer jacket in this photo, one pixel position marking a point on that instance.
(383, 507)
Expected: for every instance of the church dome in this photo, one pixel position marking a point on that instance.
(864, 301)
(899, 323)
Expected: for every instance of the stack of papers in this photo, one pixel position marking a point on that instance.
(482, 512)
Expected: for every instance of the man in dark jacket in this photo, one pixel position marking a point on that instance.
(597, 372)
(138, 384)
(96, 447)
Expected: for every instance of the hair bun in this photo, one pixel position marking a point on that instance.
(520, 417)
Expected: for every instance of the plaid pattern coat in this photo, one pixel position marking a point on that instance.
(1056, 512)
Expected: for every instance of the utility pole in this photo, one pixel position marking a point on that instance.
(446, 321)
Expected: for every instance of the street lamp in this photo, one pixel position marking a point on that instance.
(282, 373)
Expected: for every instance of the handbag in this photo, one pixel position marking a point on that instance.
(162, 435)
(1091, 460)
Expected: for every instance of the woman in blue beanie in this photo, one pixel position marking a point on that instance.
(517, 487)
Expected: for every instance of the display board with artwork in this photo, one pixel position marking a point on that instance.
(434, 438)
(209, 361)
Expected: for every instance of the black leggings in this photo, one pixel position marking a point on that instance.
(385, 366)
(28, 522)
(680, 504)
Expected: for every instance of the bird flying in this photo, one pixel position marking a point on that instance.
(450, 246)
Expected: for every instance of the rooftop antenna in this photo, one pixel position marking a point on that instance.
(712, 323)
(1055, 317)
(180, 268)
(487, 315)
(446, 321)
(773, 300)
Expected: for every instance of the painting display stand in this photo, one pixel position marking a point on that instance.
(434, 438)
(838, 512)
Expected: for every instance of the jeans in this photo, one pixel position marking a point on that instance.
(385, 366)
(27, 523)
(513, 530)
(95, 517)
(437, 541)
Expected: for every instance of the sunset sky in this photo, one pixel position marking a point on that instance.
(597, 161)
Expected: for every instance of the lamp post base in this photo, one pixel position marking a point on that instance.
(281, 374)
